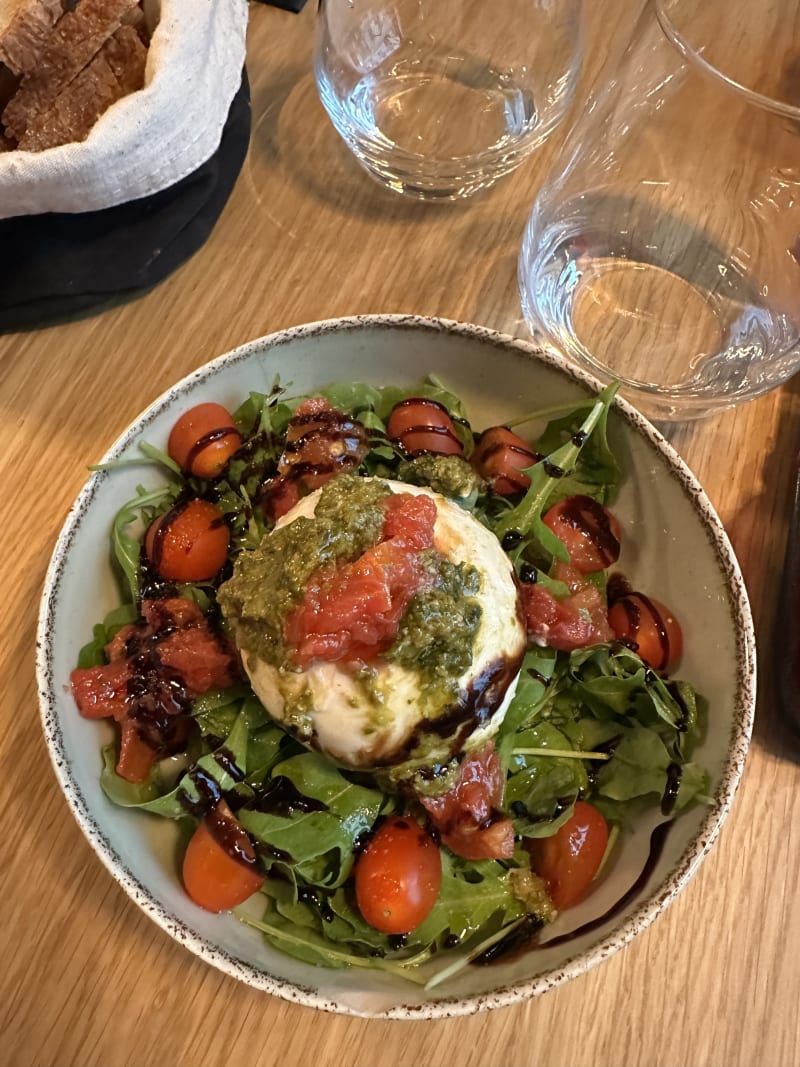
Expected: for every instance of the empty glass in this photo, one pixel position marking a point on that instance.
(665, 249)
(439, 98)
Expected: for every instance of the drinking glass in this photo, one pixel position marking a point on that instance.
(439, 98)
(664, 249)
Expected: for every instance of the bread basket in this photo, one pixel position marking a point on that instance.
(152, 138)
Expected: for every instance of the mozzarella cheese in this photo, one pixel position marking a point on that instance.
(385, 717)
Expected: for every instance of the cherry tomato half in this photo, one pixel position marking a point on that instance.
(203, 440)
(649, 628)
(189, 543)
(589, 532)
(500, 456)
(219, 866)
(398, 876)
(423, 425)
(569, 860)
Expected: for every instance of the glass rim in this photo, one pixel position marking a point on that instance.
(680, 42)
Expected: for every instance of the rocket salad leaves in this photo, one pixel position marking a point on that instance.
(593, 723)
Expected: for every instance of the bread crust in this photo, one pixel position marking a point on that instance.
(25, 31)
(116, 70)
(72, 45)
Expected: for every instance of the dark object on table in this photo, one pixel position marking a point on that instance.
(788, 628)
(287, 5)
(56, 266)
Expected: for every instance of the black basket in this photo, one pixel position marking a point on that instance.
(57, 266)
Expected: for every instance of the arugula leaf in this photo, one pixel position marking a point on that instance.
(353, 397)
(639, 766)
(93, 653)
(533, 689)
(126, 548)
(264, 414)
(320, 841)
(309, 946)
(216, 713)
(156, 455)
(597, 472)
(540, 790)
(472, 895)
(614, 679)
(546, 476)
(215, 765)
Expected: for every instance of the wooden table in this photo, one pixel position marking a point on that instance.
(86, 977)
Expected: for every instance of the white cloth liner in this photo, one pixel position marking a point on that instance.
(151, 139)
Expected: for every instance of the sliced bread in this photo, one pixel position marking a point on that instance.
(77, 37)
(116, 70)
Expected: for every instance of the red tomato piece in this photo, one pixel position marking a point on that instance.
(409, 520)
(189, 543)
(203, 440)
(202, 658)
(352, 611)
(398, 876)
(500, 456)
(182, 658)
(136, 757)
(423, 425)
(589, 532)
(577, 621)
(102, 692)
(649, 628)
(569, 860)
(171, 612)
(467, 815)
(220, 864)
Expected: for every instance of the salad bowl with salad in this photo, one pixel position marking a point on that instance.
(395, 668)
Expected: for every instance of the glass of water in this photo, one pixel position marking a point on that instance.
(664, 250)
(439, 98)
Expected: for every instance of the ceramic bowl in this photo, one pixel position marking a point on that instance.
(674, 546)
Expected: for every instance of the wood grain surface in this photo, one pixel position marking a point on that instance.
(86, 978)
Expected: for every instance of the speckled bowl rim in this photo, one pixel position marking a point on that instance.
(638, 920)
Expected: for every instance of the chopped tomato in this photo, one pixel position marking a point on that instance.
(589, 532)
(467, 816)
(323, 441)
(569, 860)
(279, 496)
(352, 611)
(577, 621)
(200, 657)
(102, 692)
(167, 613)
(136, 757)
(157, 667)
(398, 876)
(410, 520)
(220, 864)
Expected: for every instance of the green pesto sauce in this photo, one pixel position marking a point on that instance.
(438, 628)
(267, 582)
(451, 476)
